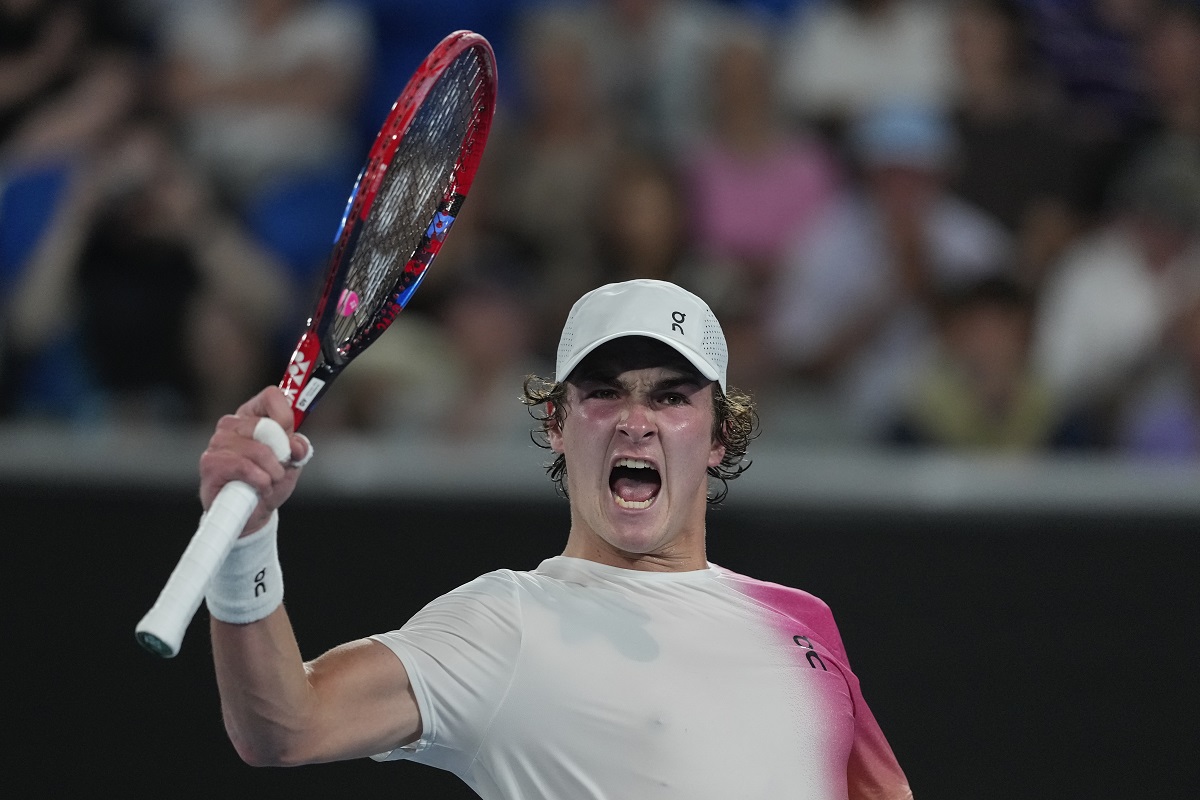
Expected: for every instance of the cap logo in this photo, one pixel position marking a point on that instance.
(677, 318)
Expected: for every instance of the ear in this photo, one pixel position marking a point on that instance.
(716, 455)
(553, 431)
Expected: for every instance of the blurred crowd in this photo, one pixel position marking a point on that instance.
(968, 225)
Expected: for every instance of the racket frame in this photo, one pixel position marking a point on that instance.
(316, 360)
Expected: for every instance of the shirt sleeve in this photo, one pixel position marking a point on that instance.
(872, 772)
(460, 652)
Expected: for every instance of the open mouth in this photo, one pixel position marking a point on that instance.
(634, 483)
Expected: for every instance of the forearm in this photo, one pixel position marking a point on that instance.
(267, 700)
(350, 702)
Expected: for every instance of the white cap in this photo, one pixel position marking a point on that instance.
(643, 307)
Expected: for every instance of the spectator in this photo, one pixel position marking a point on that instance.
(69, 73)
(1108, 304)
(1161, 417)
(848, 56)
(168, 301)
(1016, 161)
(851, 315)
(754, 184)
(1170, 57)
(40, 41)
(489, 329)
(546, 164)
(1089, 49)
(651, 59)
(267, 89)
(978, 393)
(641, 228)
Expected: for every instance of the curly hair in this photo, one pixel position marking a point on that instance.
(735, 424)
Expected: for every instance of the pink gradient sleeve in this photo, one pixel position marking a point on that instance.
(872, 772)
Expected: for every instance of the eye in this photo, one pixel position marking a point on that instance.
(602, 393)
(674, 399)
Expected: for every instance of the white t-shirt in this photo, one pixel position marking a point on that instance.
(579, 680)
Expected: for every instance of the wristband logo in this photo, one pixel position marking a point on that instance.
(260, 585)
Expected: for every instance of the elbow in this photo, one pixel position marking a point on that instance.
(264, 755)
(266, 750)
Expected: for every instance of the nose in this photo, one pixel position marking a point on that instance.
(637, 421)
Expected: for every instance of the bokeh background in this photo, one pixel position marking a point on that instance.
(955, 245)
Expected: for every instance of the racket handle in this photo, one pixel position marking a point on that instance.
(161, 630)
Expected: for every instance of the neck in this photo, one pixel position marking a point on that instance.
(683, 555)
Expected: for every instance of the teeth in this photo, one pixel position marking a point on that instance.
(630, 504)
(634, 463)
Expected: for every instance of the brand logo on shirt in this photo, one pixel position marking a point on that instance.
(813, 657)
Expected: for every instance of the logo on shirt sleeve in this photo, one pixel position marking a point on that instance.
(813, 657)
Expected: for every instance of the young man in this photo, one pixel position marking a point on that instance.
(627, 667)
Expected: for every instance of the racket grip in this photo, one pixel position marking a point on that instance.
(161, 630)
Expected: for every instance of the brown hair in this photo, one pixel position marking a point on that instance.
(735, 423)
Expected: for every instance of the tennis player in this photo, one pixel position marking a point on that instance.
(627, 667)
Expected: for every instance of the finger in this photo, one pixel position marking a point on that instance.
(270, 402)
(302, 451)
(219, 467)
(240, 435)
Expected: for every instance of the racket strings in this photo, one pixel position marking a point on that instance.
(415, 184)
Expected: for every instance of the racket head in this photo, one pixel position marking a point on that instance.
(404, 201)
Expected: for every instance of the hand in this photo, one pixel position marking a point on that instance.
(234, 454)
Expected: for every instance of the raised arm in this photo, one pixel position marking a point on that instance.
(351, 702)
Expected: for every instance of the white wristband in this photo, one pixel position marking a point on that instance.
(249, 584)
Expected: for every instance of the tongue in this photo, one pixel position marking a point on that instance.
(634, 489)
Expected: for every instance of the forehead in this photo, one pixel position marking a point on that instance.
(632, 353)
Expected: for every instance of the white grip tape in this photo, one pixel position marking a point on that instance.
(161, 630)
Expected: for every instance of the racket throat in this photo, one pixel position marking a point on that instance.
(307, 376)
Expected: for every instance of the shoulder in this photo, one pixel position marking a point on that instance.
(496, 584)
(490, 596)
(797, 606)
(787, 600)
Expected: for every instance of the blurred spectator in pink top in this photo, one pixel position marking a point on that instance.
(754, 184)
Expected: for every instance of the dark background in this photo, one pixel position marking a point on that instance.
(1005, 654)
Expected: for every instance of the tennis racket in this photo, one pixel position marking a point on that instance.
(404, 201)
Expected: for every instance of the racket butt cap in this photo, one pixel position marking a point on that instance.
(156, 645)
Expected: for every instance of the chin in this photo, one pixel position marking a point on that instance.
(637, 531)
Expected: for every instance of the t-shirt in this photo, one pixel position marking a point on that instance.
(583, 680)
